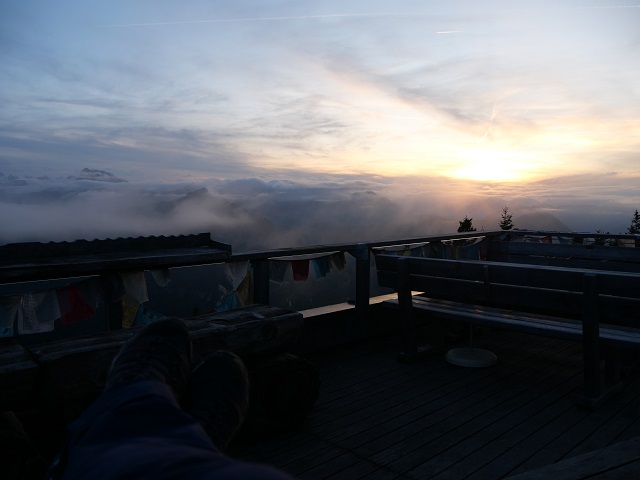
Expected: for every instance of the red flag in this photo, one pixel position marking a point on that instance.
(73, 306)
(300, 269)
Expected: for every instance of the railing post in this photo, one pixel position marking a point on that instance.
(405, 302)
(591, 342)
(113, 302)
(360, 326)
(260, 281)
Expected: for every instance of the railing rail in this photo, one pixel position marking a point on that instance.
(215, 253)
(360, 251)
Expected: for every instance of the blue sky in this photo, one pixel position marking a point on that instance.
(509, 93)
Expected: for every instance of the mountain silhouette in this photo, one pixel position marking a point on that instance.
(97, 176)
(540, 221)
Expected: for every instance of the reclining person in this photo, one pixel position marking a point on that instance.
(157, 419)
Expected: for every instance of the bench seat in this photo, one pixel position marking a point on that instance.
(599, 308)
(557, 327)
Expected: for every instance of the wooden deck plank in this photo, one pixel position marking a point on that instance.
(474, 403)
(278, 450)
(385, 474)
(405, 419)
(632, 431)
(512, 457)
(555, 448)
(445, 446)
(620, 472)
(328, 459)
(374, 434)
(518, 443)
(446, 401)
(621, 460)
(362, 370)
(541, 413)
(351, 470)
(383, 419)
(603, 426)
(383, 385)
(384, 401)
(372, 423)
(479, 451)
(416, 403)
(538, 429)
(365, 469)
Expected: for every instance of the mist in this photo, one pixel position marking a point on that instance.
(252, 213)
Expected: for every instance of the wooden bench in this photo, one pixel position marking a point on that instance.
(599, 308)
(65, 376)
(590, 256)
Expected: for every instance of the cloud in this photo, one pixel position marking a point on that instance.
(67, 210)
(256, 213)
(98, 176)
(140, 153)
(257, 19)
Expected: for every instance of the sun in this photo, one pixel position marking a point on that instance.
(481, 164)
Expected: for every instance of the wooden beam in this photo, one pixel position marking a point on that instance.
(363, 292)
(39, 261)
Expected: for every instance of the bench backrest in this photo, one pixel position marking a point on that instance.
(536, 288)
(595, 257)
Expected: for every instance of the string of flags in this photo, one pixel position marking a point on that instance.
(280, 270)
(305, 268)
(241, 292)
(37, 312)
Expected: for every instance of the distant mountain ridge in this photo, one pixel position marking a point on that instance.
(97, 176)
(228, 221)
(541, 221)
(11, 181)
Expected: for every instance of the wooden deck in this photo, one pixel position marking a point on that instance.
(377, 418)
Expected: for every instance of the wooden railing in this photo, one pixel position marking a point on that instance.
(361, 252)
(200, 250)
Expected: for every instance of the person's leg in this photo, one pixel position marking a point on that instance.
(161, 351)
(218, 396)
(136, 428)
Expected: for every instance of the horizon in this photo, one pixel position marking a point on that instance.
(449, 109)
(254, 214)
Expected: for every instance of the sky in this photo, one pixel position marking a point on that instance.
(452, 106)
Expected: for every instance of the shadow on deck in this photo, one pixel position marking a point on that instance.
(378, 418)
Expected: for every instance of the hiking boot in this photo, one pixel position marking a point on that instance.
(218, 396)
(160, 351)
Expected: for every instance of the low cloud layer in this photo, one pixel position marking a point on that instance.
(252, 213)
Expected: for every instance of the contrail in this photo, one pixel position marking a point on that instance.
(494, 112)
(253, 19)
(335, 15)
(610, 6)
